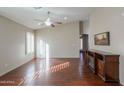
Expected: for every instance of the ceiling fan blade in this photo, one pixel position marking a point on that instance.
(58, 22)
(52, 25)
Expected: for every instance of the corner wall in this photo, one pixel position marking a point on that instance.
(109, 19)
(12, 45)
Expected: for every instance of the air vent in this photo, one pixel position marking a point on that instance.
(37, 8)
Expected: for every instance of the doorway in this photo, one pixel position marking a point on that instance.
(83, 48)
(84, 42)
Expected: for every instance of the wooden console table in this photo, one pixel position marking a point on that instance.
(103, 64)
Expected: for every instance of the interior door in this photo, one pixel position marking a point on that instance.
(85, 42)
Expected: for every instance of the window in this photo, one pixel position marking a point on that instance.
(29, 42)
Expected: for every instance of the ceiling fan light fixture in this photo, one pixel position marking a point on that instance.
(48, 22)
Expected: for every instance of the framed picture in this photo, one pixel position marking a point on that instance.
(102, 39)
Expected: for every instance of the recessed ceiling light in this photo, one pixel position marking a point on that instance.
(122, 14)
(65, 18)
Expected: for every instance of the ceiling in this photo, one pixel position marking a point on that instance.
(26, 15)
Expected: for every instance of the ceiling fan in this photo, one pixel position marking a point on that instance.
(47, 21)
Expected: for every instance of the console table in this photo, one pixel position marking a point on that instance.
(103, 64)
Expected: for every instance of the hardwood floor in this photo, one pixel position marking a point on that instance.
(53, 72)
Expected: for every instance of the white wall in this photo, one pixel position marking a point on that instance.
(63, 41)
(86, 26)
(12, 45)
(109, 19)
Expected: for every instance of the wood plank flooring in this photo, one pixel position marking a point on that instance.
(53, 72)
